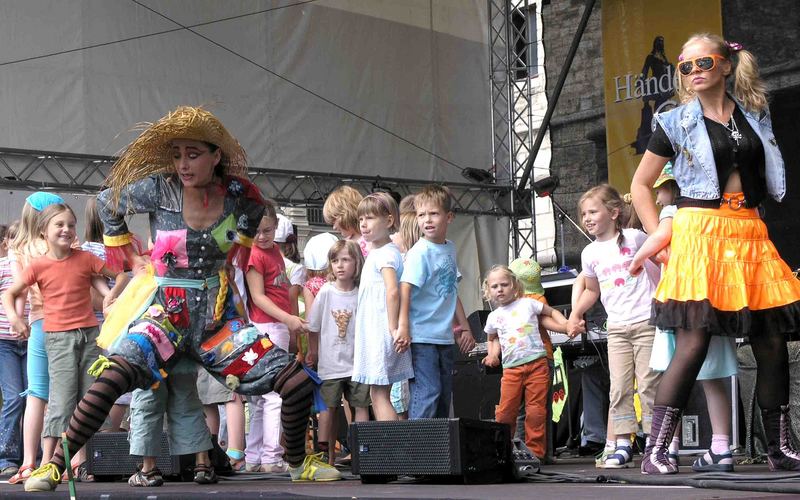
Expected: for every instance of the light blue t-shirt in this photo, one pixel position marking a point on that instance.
(432, 269)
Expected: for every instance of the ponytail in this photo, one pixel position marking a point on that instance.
(748, 87)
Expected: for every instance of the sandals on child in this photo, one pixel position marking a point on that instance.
(22, 474)
(204, 474)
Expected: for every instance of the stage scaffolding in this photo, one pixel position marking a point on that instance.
(64, 172)
(510, 54)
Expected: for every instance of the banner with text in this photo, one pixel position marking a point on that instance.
(641, 43)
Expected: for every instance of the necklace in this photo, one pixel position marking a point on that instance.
(730, 126)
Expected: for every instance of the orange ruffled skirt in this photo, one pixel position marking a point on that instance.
(725, 275)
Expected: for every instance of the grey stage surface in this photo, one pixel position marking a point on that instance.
(276, 486)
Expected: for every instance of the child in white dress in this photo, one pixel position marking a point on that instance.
(382, 356)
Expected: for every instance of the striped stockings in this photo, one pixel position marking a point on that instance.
(295, 389)
(93, 409)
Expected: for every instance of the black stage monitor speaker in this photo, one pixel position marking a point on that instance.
(447, 450)
(108, 454)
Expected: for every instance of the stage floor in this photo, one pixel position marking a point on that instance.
(246, 486)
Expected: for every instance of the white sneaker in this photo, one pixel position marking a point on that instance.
(277, 467)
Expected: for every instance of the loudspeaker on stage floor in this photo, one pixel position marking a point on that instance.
(457, 450)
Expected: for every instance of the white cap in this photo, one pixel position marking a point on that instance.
(315, 253)
(283, 230)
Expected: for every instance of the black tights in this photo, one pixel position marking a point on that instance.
(691, 346)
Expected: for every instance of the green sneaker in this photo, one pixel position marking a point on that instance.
(314, 469)
(600, 460)
(45, 478)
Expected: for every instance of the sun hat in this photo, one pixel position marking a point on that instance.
(315, 253)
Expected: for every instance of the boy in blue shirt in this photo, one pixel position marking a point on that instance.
(429, 303)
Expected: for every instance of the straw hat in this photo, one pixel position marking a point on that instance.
(151, 152)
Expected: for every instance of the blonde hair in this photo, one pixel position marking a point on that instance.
(748, 87)
(409, 231)
(355, 253)
(51, 211)
(342, 204)
(612, 200)
(27, 234)
(380, 204)
(516, 285)
(437, 194)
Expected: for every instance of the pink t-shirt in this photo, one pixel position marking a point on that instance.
(65, 288)
(269, 264)
(626, 298)
(5, 283)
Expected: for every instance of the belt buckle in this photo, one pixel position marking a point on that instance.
(739, 202)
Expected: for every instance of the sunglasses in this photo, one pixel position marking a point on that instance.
(703, 63)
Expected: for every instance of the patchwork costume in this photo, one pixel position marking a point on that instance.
(195, 309)
(186, 304)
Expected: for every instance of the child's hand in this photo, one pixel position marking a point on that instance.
(402, 340)
(465, 341)
(575, 326)
(491, 361)
(296, 325)
(636, 265)
(139, 264)
(108, 303)
(20, 328)
(311, 359)
(663, 255)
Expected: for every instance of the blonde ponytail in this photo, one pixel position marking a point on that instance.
(748, 87)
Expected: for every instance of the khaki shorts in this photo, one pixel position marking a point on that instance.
(355, 393)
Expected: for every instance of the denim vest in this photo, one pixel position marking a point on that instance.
(693, 165)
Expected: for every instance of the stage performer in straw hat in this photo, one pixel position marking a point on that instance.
(723, 275)
(187, 173)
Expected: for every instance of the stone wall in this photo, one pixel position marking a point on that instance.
(577, 130)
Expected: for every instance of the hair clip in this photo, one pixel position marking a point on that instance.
(734, 46)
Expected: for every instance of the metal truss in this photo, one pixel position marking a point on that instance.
(512, 113)
(63, 172)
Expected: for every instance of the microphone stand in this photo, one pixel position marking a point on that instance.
(561, 215)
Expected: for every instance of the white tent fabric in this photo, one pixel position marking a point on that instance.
(396, 88)
(364, 87)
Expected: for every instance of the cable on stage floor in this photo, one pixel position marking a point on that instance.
(767, 483)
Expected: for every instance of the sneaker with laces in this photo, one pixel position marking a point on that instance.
(314, 468)
(45, 478)
(275, 467)
(600, 460)
(149, 479)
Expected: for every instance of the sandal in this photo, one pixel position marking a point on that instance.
(22, 474)
(204, 474)
(236, 459)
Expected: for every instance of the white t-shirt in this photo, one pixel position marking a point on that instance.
(668, 212)
(517, 326)
(333, 315)
(626, 298)
(295, 272)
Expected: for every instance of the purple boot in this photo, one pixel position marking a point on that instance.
(655, 459)
(781, 454)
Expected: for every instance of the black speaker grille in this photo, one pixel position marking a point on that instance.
(427, 448)
(109, 455)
